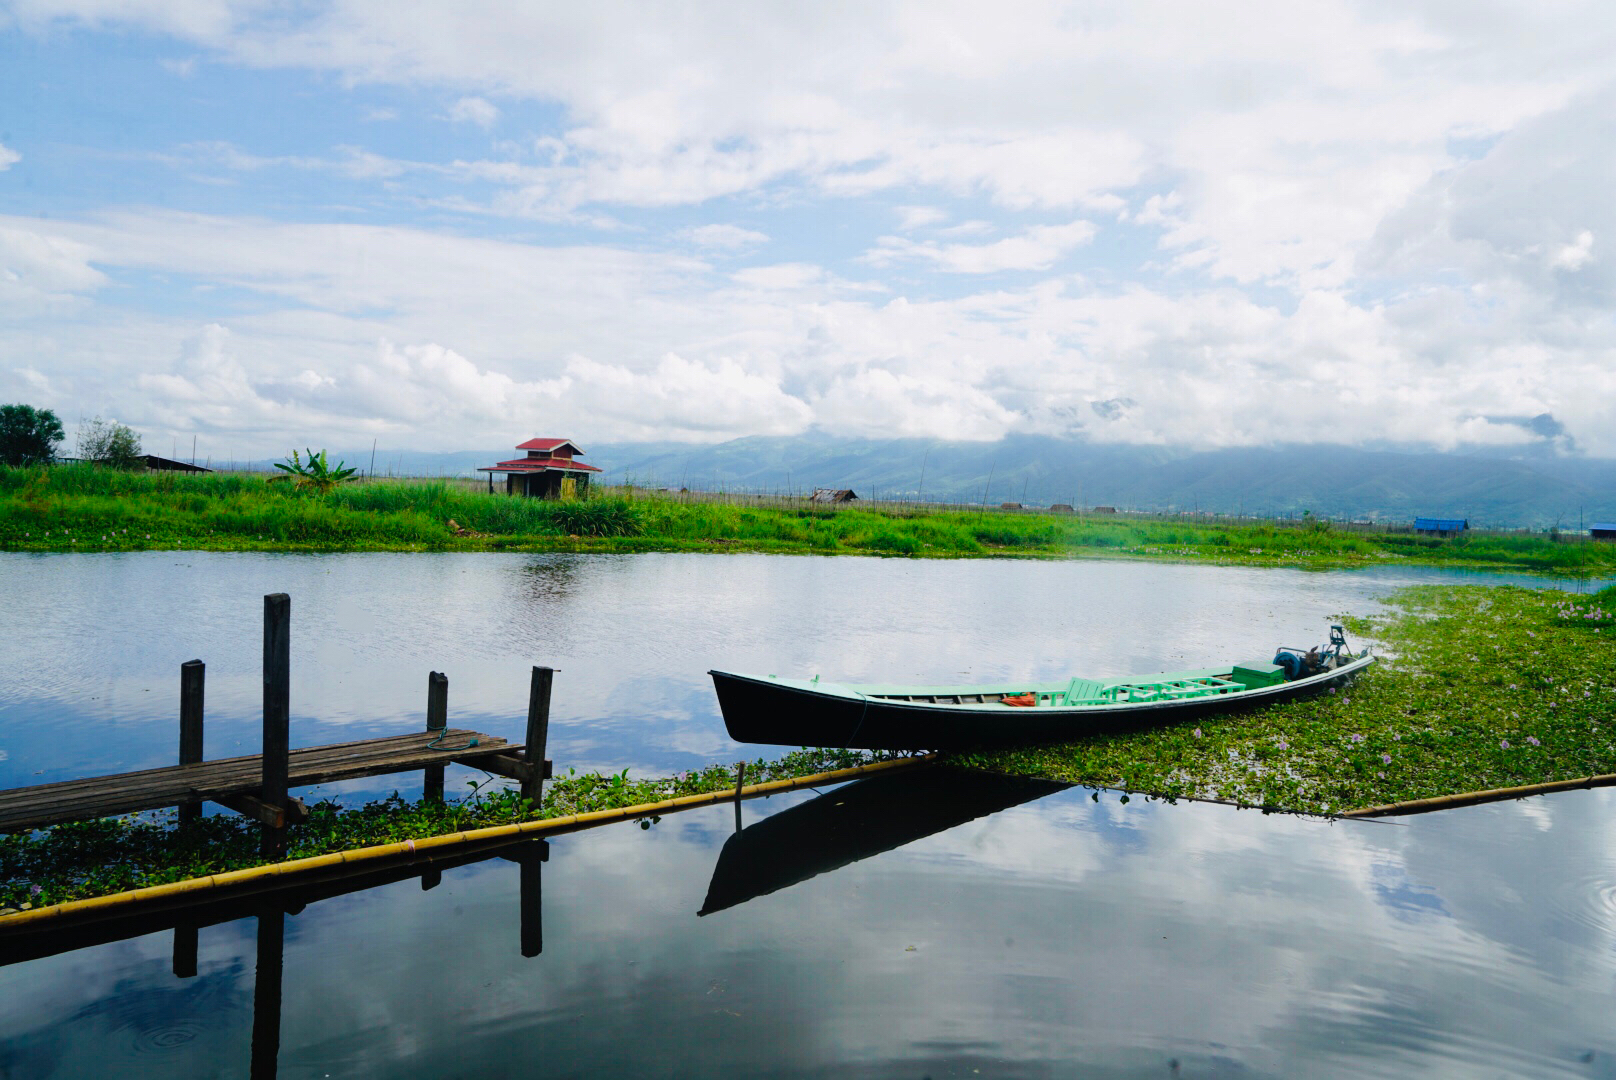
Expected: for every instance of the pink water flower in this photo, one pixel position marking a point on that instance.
(1196, 733)
(1355, 737)
(1503, 744)
(1533, 740)
(1385, 759)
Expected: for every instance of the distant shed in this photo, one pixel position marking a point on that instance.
(1064, 507)
(1427, 526)
(1105, 509)
(1603, 530)
(1009, 506)
(163, 464)
(832, 495)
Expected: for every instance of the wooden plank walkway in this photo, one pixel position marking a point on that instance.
(227, 778)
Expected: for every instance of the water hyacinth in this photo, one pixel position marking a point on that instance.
(1455, 722)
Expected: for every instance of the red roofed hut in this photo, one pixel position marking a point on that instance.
(548, 471)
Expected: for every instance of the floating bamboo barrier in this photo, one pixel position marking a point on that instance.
(1472, 798)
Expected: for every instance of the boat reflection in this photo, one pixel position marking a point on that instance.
(856, 821)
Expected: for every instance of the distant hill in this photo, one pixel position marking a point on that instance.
(1337, 482)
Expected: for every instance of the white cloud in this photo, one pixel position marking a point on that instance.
(1395, 215)
(474, 110)
(8, 157)
(1039, 248)
(918, 217)
(724, 237)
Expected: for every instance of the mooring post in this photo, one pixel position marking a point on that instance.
(538, 731)
(437, 719)
(740, 782)
(192, 677)
(277, 712)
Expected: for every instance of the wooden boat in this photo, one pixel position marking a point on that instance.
(812, 712)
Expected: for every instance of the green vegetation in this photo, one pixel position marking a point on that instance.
(314, 475)
(95, 858)
(85, 508)
(110, 444)
(28, 436)
(1483, 688)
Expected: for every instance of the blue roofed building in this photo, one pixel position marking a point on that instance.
(1431, 526)
(1603, 530)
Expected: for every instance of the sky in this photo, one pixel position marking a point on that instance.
(448, 227)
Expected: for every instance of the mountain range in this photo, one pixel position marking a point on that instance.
(1494, 490)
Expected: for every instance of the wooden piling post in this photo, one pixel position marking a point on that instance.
(740, 782)
(437, 719)
(192, 678)
(277, 712)
(538, 732)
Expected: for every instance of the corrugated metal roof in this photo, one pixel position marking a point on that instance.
(1441, 524)
(549, 444)
(540, 465)
(1603, 526)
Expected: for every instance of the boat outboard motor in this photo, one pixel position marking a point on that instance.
(1291, 663)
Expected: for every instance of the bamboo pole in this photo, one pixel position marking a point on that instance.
(1472, 798)
(116, 903)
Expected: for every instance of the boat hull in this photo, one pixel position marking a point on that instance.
(765, 709)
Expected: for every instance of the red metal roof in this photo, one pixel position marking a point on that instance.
(539, 464)
(549, 444)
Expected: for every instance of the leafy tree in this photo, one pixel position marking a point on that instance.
(28, 436)
(313, 475)
(107, 442)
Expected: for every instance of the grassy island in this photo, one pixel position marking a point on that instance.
(91, 509)
(1479, 688)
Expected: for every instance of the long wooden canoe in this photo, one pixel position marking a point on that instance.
(813, 712)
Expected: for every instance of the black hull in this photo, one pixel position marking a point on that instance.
(760, 711)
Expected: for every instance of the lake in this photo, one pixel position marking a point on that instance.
(1068, 933)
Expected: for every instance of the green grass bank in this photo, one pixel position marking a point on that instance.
(90, 509)
(1478, 688)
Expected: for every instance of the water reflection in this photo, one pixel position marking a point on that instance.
(1058, 936)
(861, 819)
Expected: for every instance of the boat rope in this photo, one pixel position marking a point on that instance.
(437, 744)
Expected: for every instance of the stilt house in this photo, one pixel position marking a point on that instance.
(549, 470)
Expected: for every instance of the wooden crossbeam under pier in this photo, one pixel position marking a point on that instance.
(237, 782)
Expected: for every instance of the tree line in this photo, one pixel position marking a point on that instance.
(30, 436)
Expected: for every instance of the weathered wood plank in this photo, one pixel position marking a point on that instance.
(125, 793)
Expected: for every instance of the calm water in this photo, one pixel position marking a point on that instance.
(1060, 936)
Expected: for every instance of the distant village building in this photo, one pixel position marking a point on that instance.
(832, 495)
(548, 471)
(1603, 530)
(1426, 526)
(1066, 507)
(163, 464)
(1105, 509)
(1009, 506)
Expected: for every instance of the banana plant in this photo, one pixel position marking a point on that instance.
(315, 474)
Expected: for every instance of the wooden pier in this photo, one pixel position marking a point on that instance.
(259, 785)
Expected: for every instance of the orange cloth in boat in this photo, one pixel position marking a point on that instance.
(1029, 698)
